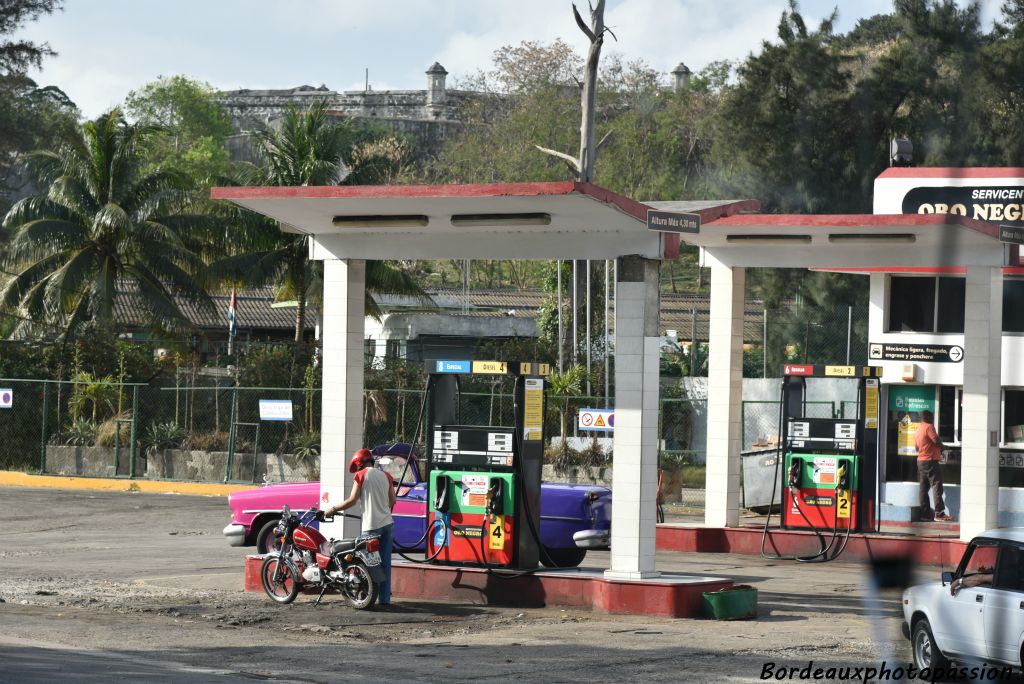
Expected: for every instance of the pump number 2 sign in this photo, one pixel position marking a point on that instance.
(843, 504)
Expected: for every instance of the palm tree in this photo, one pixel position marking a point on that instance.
(308, 149)
(102, 223)
(561, 387)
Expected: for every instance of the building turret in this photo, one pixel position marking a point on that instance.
(435, 85)
(681, 75)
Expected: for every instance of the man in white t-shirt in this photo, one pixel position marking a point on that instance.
(375, 490)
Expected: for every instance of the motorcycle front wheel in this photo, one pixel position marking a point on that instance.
(359, 588)
(279, 579)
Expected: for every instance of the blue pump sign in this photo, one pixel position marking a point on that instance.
(444, 366)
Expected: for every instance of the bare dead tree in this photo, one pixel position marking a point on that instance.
(583, 167)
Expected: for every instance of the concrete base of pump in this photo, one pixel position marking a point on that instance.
(924, 550)
(668, 595)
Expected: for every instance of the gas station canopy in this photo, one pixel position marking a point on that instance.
(850, 242)
(559, 220)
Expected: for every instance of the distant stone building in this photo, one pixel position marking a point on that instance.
(429, 116)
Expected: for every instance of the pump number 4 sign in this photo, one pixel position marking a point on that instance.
(497, 534)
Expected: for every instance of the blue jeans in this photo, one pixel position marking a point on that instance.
(387, 542)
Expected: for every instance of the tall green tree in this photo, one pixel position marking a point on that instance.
(192, 126)
(785, 127)
(927, 85)
(30, 116)
(18, 56)
(308, 149)
(101, 223)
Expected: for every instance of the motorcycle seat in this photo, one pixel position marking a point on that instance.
(344, 545)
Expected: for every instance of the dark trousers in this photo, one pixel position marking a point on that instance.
(387, 541)
(929, 474)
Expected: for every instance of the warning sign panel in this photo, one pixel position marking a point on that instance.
(600, 420)
(474, 490)
(533, 409)
(824, 471)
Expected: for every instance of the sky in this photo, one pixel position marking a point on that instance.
(106, 48)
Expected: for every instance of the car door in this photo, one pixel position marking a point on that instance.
(959, 626)
(1004, 605)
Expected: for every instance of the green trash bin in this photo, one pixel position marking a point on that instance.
(733, 603)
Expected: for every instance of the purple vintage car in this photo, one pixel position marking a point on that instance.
(573, 517)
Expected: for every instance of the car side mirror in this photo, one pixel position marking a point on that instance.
(947, 578)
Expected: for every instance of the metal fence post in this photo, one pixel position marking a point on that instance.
(42, 437)
(231, 433)
(743, 425)
(133, 449)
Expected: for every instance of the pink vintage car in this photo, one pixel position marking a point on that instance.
(573, 517)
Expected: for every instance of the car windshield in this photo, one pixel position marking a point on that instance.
(982, 560)
(395, 467)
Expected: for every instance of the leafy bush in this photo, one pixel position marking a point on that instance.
(207, 441)
(564, 458)
(82, 432)
(160, 436)
(306, 444)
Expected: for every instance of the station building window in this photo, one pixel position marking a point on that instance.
(1013, 305)
(926, 304)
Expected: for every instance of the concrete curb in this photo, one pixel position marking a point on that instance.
(17, 479)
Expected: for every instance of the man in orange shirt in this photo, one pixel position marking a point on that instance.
(929, 472)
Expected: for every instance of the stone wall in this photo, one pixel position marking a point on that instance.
(178, 464)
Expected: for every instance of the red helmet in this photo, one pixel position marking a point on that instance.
(361, 459)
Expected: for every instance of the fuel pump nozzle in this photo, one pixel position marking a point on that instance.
(793, 479)
(496, 497)
(842, 478)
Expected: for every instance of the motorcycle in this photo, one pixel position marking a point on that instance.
(352, 567)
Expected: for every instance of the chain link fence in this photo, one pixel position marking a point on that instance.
(215, 434)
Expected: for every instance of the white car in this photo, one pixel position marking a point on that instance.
(976, 614)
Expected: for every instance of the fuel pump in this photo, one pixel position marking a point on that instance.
(829, 466)
(483, 482)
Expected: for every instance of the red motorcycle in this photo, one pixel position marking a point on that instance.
(349, 566)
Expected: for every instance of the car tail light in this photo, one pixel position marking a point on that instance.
(373, 545)
(593, 496)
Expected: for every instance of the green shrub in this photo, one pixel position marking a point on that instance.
(165, 435)
(82, 432)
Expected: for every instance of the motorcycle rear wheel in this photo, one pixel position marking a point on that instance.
(279, 579)
(359, 589)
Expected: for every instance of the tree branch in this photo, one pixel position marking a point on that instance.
(582, 24)
(573, 163)
(604, 140)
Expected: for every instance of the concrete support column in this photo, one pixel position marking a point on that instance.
(979, 471)
(725, 395)
(635, 473)
(341, 431)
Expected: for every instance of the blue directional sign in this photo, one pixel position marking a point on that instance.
(444, 366)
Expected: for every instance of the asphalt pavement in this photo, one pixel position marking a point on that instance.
(143, 587)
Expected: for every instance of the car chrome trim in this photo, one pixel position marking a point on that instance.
(592, 539)
(407, 515)
(559, 517)
(250, 511)
(235, 534)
